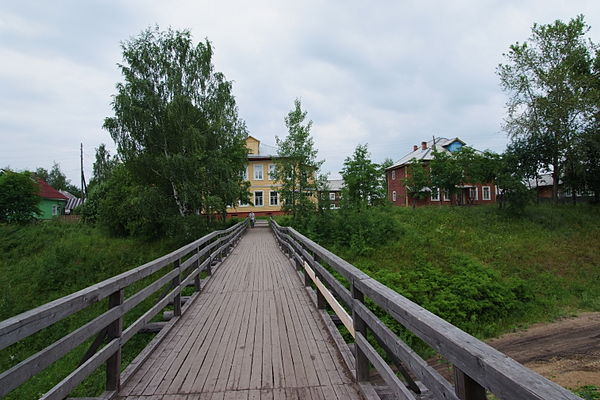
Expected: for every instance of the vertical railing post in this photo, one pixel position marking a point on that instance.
(197, 266)
(466, 388)
(321, 302)
(114, 330)
(175, 282)
(361, 360)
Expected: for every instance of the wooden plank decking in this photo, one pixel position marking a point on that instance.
(253, 333)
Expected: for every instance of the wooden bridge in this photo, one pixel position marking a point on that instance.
(264, 322)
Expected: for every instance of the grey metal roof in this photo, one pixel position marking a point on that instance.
(264, 150)
(335, 184)
(72, 201)
(542, 180)
(427, 154)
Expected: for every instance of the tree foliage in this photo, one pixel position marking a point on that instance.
(548, 108)
(57, 179)
(176, 123)
(103, 165)
(364, 182)
(446, 171)
(296, 165)
(18, 197)
(417, 181)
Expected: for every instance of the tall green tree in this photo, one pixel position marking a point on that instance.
(18, 197)
(297, 165)
(446, 172)
(417, 181)
(57, 179)
(363, 179)
(590, 140)
(103, 165)
(176, 123)
(545, 77)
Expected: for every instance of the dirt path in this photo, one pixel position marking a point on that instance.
(566, 352)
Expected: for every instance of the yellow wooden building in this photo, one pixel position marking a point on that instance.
(264, 190)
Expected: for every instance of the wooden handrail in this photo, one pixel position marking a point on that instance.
(478, 366)
(21, 326)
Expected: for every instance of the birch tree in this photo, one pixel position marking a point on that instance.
(176, 124)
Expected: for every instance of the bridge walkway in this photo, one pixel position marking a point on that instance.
(253, 333)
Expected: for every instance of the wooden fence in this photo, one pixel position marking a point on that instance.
(477, 366)
(184, 267)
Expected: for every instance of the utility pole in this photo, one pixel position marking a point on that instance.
(83, 185)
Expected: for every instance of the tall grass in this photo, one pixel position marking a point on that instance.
(484, 270)
(42, 262)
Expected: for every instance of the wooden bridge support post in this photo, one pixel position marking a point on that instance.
(114, 330)
(361, 360)
(176, 281)
(196, 266)
(321, 301)
(466, 388)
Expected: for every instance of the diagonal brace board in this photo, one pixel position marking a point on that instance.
(335, 305)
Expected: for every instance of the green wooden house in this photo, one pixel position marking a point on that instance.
(52, 202)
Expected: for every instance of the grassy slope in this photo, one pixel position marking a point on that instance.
(553, 251)
(39, 263)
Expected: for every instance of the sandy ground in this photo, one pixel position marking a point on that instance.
(566, 352)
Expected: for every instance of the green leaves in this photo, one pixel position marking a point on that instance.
(417, 181)
(297, 165)
(176, 124)
(548, 80)
(364, 182)
(18, 197)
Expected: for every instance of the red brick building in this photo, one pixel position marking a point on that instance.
(472, 193)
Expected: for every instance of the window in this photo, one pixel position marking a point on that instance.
(55, 210)
(446, 195)
(244, 203)
(258, 172)
(393, 174)
(258, 198)
(394, 195)
(435, 194)
(273, 199)
(331, 195)
(272, 172)
(474, 193)
(245, 174)
(486, 193)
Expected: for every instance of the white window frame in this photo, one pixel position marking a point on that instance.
(436, 192)
(246, 204)
(258, 172)
(331, 195)
(272, 171)
(262, 198)
(55, 210)
(446, 195)
(476, 193)
(245, 174)
(271, 198)
(489, 193)
(394, 195)
(393, 174)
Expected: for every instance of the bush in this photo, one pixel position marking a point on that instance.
(467, 294)
(18, 197)
(359, 230)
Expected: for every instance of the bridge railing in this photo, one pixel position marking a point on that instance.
(180, 268)
(477, 366)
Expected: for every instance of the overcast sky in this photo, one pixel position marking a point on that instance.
(388, 73)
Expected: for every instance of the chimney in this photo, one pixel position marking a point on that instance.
(424, 145)
(415, 147)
